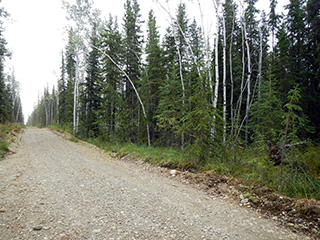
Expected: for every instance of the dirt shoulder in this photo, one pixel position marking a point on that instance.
(53, 188)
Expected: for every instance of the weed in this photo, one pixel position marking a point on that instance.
(74, 139)
(4, 145)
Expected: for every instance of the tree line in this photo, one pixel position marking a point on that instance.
(10, 101)
(257, 84)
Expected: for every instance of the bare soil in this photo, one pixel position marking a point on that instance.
(52, 188)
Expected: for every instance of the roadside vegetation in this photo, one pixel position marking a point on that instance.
(7, 134)
(299, 178)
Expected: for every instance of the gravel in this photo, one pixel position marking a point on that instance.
(53, 188)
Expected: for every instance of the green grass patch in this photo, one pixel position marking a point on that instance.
(61, 128)
(4, 145)
(74, 139)
(7, 133)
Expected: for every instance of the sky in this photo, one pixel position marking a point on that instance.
(36, 36)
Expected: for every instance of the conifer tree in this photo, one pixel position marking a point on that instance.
(154, 74)
(169, 112)
(70, 71)
(90, 91)
(62, 93)
(132, 67)
(110, 82)
(4, 103)
(296, 22)
(313, 65)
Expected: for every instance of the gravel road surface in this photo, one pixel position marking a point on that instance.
(52, 188)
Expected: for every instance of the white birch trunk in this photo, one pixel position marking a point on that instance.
(216, 87)
(260, 64)
(248, 80)
(239, 102)
(75, 98)
(224, 81)
(183, 94)
(231, 78)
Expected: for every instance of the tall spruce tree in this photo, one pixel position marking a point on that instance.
(71, 72)
(5, 108)
(62, 92)
(132, 66)
(154, 74)
(110, 83)
(170, 106)
(313, 65)
(90, 91)
(296, 29)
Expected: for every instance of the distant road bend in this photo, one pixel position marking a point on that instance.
(53, 188)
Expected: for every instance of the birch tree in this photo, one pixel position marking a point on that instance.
(81, 16)
(216, 64)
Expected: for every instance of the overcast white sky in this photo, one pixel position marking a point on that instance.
(36, 33)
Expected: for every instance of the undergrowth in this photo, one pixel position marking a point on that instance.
(7, 132)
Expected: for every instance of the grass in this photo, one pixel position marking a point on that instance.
(256, 170)
(7, 133)
(4, 145)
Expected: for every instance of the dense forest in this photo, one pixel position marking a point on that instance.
(254, 88)
(10, 102)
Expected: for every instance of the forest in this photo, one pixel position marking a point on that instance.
(245, 103)
(10, 102)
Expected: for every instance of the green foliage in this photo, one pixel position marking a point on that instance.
(90, 94)
(294, 122)
(4, 145)
(74, 139)
(7, 132)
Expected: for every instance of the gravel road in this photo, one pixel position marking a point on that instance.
(52, 188)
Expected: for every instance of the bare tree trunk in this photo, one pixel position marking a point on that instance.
(248, 81)
(18, 111)
(239, 102)
(231, 78)
(75, 95)
(224, 81)
(183, 94)
(260, 64)
(216, 63)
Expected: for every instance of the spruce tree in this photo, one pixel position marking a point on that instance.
(89, 96)
(296, 22)
(154, 74)
(71, 72)
(62, 93)
(170, 108)
(111, 90)
(132, 67)
(5, 108)
(313, 65)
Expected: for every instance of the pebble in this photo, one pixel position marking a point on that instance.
(37, 228)
(173, 173)
(245, 200)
